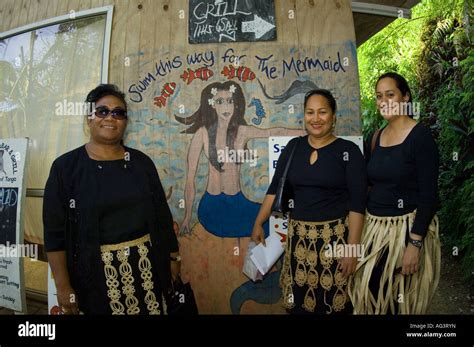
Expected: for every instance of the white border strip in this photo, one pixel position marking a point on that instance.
(380, 10)
(107, 38)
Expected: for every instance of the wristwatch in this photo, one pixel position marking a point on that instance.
(177, 258)
(416, 243)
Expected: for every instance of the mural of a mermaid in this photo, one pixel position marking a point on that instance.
(220, 130)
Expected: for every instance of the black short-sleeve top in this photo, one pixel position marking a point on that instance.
(331, 187)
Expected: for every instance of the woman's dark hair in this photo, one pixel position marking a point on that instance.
(325, 93)
(401, 84)
(104, 90)
(206, 116)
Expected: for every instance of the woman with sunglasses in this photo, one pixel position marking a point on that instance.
(328, 178)
(400, 269)
(108, 229)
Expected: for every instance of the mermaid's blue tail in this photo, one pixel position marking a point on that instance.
(266, 291)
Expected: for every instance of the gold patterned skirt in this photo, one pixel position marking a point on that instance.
(378, 287)
(311, 278)
(131, 280)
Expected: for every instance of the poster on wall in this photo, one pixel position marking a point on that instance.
(205, 113)
(278, 223)
(231, 21)
(12, 250)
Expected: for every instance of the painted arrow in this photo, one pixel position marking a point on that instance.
(258, 26)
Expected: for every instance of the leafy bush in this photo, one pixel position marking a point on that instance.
(434, 51)
(456, 139)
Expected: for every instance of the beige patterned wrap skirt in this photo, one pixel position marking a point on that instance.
(384, 241)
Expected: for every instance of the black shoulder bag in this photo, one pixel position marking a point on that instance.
(181, 299)
(284, 192)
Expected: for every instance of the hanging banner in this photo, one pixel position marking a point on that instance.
(12, 248)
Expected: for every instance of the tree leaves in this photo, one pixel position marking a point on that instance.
(435, 53)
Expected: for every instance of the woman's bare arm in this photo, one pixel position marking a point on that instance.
(194, 152)
(67, 299)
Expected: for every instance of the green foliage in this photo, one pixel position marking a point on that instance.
(434, 51)
(455, 110)
(446, 89)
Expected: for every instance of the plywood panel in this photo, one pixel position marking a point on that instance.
(6, 13)
(52, 9)
(97, 3)
(287, 29)
(117, 52)
(33, 11)
(42, 10)
(85, 5)
(62, 8)
(20, 10)
(149, 49)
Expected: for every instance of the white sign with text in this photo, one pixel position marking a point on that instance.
(12, 247)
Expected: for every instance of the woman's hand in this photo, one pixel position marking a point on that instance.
(258, 235)
(185, 229)
(175, 266)
(175, 270)
(348, 266)
(411, 260)
(175, 227)
(67, 300)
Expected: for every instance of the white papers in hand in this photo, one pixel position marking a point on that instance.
(264, 257)
(249, 269)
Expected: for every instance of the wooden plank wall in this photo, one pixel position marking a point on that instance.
(156, 23)
(146, 31)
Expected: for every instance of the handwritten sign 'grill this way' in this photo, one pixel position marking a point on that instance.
(231, 20)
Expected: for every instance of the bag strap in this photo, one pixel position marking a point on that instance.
(290, 158)
(374, 140)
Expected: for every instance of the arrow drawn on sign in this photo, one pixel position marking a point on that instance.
(258, 26)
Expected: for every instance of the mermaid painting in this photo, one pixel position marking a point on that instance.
(219, 128)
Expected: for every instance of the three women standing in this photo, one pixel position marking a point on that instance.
(102, 241)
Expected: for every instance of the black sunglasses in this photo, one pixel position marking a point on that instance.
(117, 113)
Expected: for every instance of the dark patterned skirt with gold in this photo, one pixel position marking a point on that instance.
(131, 279)
(311, 278)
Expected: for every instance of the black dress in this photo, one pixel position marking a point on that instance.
(324, 193)
(90, 208)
